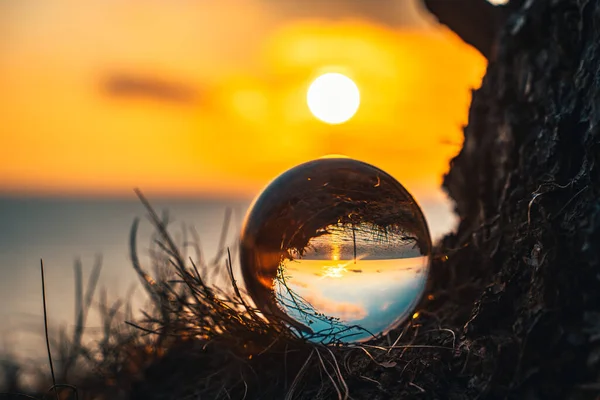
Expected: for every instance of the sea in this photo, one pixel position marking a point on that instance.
(66, 231)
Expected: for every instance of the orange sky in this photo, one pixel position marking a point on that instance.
(190, 98)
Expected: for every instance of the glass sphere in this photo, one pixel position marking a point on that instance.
(337, 249)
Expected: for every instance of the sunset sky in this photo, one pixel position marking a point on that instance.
(189, 98)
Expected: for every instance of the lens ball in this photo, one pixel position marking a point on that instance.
(337, 249)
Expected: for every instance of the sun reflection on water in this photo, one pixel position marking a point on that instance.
(334, 271)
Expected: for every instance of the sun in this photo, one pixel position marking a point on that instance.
(333, 98)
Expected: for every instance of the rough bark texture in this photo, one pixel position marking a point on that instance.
(527, 190)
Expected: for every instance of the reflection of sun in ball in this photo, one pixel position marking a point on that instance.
(334, 271)
(333, 98)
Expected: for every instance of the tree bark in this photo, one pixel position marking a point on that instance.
(527, 190)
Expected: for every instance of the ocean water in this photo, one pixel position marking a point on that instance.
(61, 230)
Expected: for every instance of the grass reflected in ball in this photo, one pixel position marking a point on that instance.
(338, 249)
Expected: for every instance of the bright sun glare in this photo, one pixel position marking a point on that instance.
(334, 271)
(333, 98)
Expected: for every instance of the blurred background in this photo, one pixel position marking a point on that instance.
(199, 103)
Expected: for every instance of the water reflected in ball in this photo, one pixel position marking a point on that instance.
(338, 249)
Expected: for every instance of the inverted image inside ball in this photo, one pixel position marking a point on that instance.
(336, 248)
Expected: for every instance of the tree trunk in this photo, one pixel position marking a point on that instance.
(523, 268)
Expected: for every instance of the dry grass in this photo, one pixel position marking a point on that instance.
(199, 340)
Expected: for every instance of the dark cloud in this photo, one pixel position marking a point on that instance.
(125, 85)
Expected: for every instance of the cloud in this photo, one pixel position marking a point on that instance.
(126, 85)
(343, 310)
